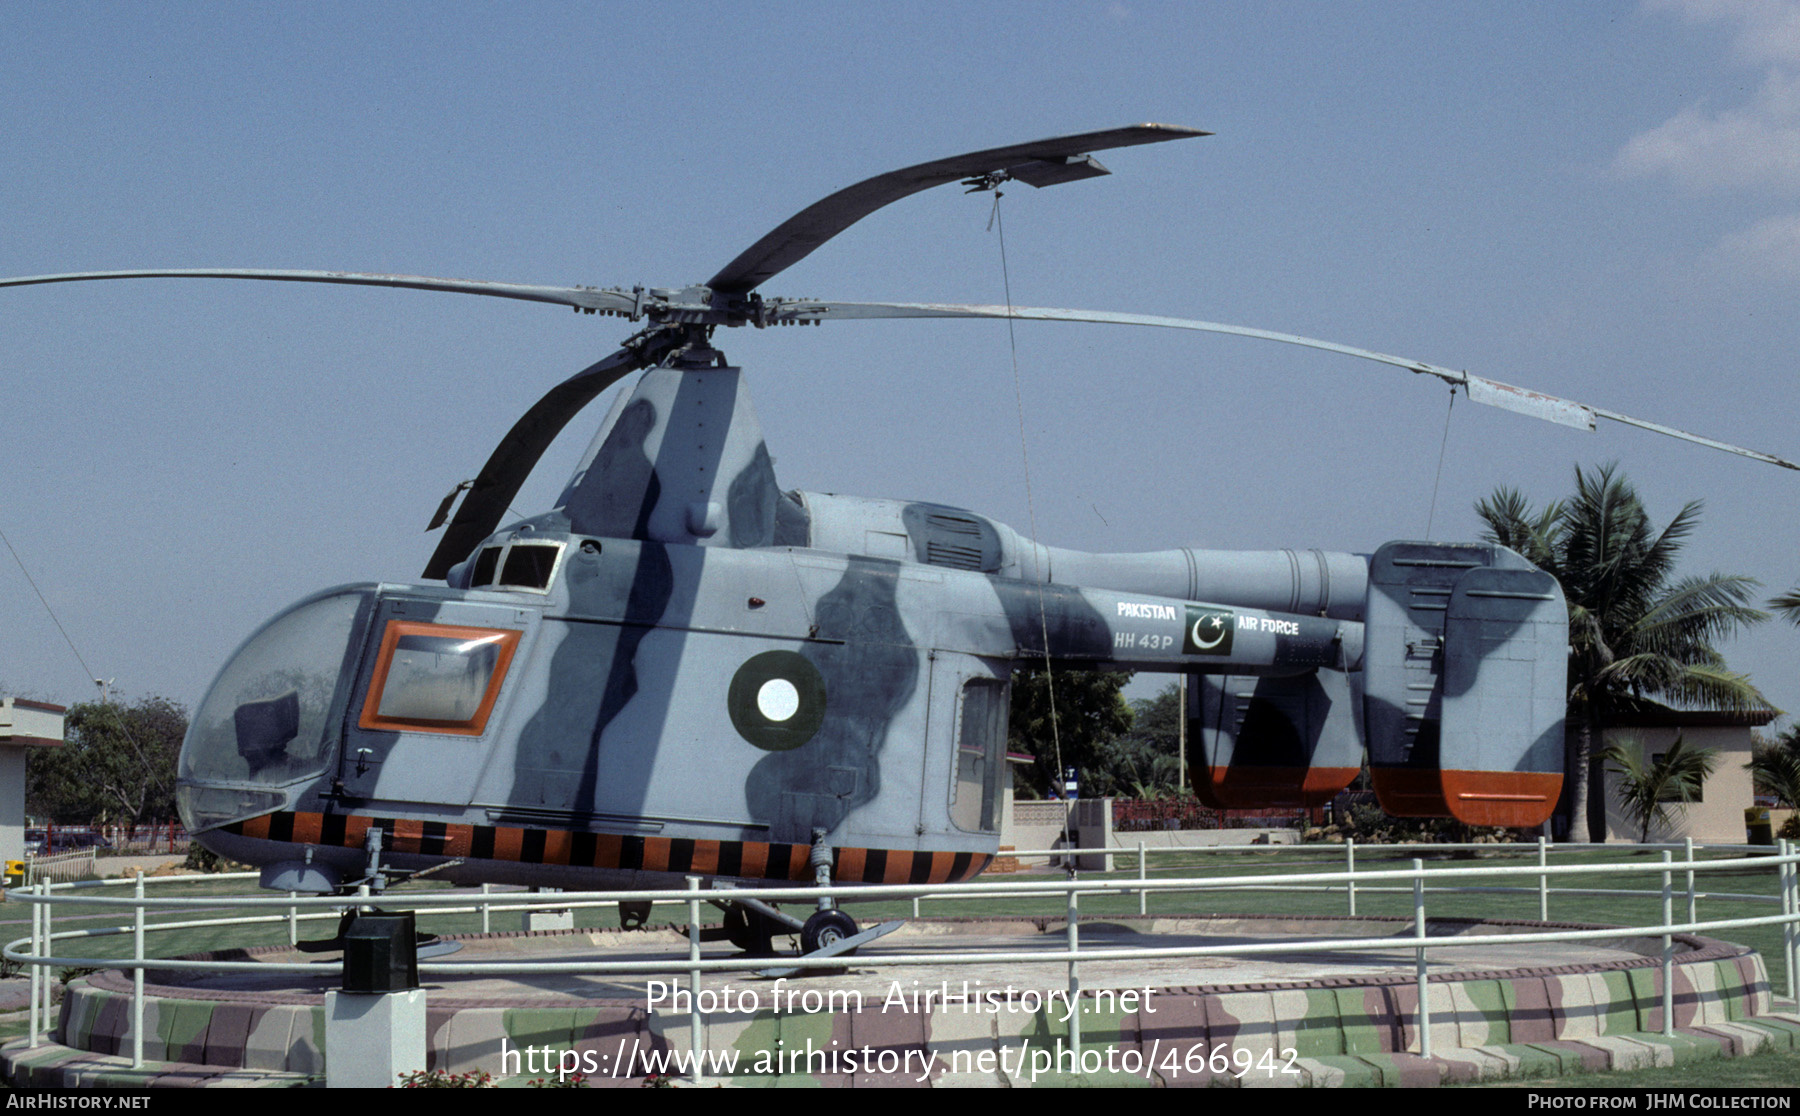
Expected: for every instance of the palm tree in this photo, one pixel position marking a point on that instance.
(1788, 604)
(1775, 765)
(1648, 789)
(1636, 631)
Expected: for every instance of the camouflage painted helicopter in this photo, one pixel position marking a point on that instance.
(682, 669)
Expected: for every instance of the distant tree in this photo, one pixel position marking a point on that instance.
(1636, 631)
(1145, 760)
(1647, 788)
(1090, 715)
(117, 765)
(1775, 766)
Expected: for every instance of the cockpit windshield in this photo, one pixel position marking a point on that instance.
(268, 717)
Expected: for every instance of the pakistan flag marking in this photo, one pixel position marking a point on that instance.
(1208, 631)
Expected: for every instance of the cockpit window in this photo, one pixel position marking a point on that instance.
(267, 718)
(485, 564)
(437, 678)
(528, 565)
(519, 565)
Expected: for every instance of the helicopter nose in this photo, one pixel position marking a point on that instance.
(264, 729)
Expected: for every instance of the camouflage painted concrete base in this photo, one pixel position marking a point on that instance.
(1332, 1031)
(52, 1065)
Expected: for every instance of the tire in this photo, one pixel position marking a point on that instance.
(826, 928)
(748, 931)
(737, 929)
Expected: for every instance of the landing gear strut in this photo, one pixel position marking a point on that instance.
(751, 924)
(828, 925)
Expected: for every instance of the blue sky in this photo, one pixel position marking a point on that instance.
(1601, 201)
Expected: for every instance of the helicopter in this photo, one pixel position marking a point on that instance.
(681, 669)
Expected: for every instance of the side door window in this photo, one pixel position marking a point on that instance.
(980, 756)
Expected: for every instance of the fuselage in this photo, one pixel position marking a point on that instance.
(597, 712)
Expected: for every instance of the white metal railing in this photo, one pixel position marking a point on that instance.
(1142, 851)
(62, 866)
(39, 949)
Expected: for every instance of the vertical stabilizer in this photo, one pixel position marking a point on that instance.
(1465, 667)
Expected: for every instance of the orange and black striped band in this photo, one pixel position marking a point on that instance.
(742, 859)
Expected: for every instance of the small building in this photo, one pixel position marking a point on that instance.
(1718, 815)
(23, 725)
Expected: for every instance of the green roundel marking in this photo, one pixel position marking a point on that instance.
(777, 700)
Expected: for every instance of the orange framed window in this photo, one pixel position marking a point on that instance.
(437, 678)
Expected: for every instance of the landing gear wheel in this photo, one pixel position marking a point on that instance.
(826, 928)
(749, 931)
(634, 915)
(737, 928)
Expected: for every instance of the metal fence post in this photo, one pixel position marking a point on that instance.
(1668, 948)
(1074, 939)
(1350, 872)
(37, 969)
(1543, 880)
(487, 909)
(1789, 907)
(1419, 960)
(137, 976)
(1143, 875)
(48, 987)
(694, 1042)
(293, 917)
(1693, 910)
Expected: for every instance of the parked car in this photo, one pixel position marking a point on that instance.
(61, 839)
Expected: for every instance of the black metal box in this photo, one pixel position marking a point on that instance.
(381, 953)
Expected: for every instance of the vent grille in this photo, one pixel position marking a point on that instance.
(953, 541)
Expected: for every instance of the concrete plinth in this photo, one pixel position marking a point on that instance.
(371, 1038)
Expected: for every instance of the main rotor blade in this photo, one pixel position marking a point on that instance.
(518, 453)
(1480, 389)
(1042, 163)
(582, 298)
